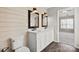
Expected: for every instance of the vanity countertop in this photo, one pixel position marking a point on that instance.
(38, 31)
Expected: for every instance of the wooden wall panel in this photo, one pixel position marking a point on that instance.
(13, 24)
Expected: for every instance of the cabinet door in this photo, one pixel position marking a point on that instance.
(38, 45)
(48, 37)
(39, 42)
(42, 40)
(32, 42)
(51, 36)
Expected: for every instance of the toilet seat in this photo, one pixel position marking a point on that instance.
(22, 49)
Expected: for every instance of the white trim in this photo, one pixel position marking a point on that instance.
(58, 26)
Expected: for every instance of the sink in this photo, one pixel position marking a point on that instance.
(36, 31)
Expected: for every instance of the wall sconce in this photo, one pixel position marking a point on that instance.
(45, 14)
(34, 10)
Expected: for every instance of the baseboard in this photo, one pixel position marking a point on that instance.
(47, 46)
(77, 46)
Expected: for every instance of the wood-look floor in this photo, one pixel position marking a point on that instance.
(60, 47)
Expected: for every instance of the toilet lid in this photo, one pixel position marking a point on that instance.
(22, 49)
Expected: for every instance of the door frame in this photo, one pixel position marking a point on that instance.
(58, 23)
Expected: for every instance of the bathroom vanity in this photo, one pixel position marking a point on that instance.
(38, 40)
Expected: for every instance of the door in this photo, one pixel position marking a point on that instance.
(66, 26)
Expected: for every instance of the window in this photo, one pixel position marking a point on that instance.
(66, 24)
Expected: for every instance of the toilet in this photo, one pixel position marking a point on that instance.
(17, 45)
(22, 49)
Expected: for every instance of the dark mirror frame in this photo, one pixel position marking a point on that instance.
(44, 25)
(29, 20)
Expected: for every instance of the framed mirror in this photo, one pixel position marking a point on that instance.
(44, 20)
(33, 19)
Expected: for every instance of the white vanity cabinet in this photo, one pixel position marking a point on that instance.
(37, 41)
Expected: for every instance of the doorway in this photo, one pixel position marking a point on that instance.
(66, 26)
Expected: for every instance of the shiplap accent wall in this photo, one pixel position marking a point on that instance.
(13, 24)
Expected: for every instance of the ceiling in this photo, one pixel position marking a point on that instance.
(67, 12)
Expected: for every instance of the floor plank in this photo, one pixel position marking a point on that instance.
(60, 47)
